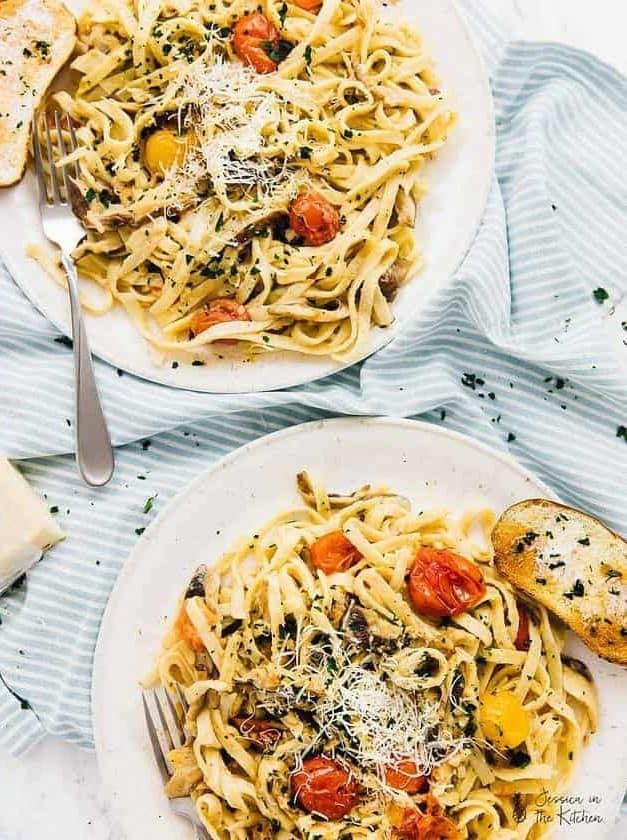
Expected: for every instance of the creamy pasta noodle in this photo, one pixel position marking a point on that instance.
(251, 173)
(356, 669)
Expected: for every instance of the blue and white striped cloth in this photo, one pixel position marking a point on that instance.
(515, 351)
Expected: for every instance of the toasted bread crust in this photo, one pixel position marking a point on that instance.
(36, 39)
(573, 565)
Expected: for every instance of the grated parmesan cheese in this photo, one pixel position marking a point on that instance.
(374, 722)
(224, 105)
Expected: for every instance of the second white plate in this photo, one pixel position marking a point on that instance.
(429, 465)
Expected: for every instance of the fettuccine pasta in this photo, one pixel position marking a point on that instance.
(358, 670)
(256, 188)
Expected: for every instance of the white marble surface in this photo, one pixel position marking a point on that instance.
(53, 792)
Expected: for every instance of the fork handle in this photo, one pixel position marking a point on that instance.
(94, 453)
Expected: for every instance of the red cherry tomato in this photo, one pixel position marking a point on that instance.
(418, 826)
(404, 776)
(442, 583)
(324, 786)
(313, 218)
(522, 640)
(253, 37)
(219, 311)
(263, 733)
(334, 553)
(309, 5)
(187, 631)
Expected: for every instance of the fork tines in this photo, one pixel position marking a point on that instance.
(165, 724)
(55, 151)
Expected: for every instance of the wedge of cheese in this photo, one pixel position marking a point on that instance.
(26, 527)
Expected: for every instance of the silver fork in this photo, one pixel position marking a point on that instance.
(165, 729)
(94, 452)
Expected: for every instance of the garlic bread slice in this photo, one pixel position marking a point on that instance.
(36, 39)
(573, 565)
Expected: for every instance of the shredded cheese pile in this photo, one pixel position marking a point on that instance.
(228, 113)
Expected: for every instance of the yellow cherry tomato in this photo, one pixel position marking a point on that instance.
(164, 149)
(504, 720)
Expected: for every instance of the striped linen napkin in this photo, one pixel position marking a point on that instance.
(516, 351)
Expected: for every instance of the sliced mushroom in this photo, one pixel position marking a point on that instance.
(365, 623)
(196, 586)
(578, 666)
(258, 224)
(405, 208)
(393, 278)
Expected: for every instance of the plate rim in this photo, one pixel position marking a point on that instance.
(303, 376)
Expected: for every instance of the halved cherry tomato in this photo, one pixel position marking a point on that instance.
(313, 218)
(324, 786)
(442, 583)
(417, 826)
(218, 311)
(309, 5)
(253, 37)
(334, 553)
(522, 640)
(404, 776)
(429, 825)
(263, 733)
(187, 631)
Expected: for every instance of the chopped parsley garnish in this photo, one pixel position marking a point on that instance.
(347, 133)
(308, 55)
(90, 194)
(27, 53)
(65, 341)
(43, 47)
(139, 531)
(577, 591)
(558, 564)
(470, 380)
(105, 198)
(511, 437)
(305, 152)
(621, 432)
(282, 13)
(518, 758)
(613, 573)
(220, 222)
(584, 541)
(148, 504)
(278, 51)
(54, 509)
(600, 295)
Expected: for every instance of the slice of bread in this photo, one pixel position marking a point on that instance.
(36, 39)
(573, 565)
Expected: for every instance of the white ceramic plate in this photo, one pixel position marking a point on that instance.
(459, 181)
(238, 494)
